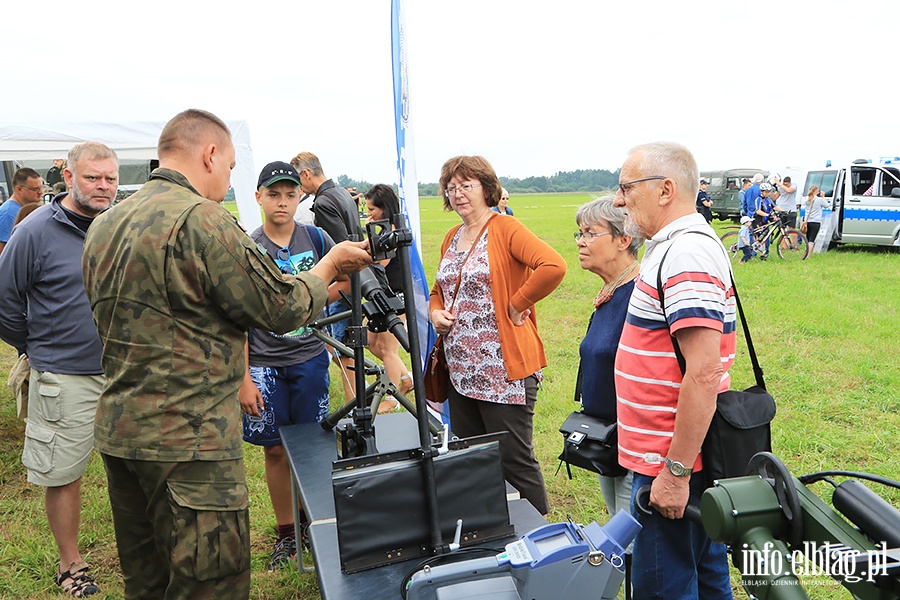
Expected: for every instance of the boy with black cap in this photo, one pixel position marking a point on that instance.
(287, 377)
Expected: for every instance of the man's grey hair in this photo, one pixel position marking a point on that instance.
(90, 151)
(670, 160)
(758, 178)
(603, 209)
(308, 160)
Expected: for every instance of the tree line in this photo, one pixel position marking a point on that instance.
(582, 180)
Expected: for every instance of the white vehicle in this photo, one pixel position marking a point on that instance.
(865, 201)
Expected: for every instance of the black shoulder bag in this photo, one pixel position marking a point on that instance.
(740, 426)
(590, 442)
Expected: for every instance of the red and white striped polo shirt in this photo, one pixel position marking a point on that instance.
(698, 293)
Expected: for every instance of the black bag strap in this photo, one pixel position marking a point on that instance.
(757, 369)
(577, 398)
(578, 377)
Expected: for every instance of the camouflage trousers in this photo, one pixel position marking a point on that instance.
(182, 529)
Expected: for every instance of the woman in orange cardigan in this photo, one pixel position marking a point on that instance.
(491, 340)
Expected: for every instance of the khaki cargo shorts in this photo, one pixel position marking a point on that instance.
(59, 430)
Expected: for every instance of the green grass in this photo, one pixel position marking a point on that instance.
(825, 332)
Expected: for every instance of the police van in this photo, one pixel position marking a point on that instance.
(865, 200)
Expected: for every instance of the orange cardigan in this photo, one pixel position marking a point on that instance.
(524, 270)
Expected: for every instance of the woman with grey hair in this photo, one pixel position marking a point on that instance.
(605, 249)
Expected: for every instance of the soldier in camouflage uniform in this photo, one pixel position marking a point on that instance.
(174, 283)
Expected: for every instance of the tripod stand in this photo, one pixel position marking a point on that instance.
(375, 391)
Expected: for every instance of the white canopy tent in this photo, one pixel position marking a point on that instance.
(135, 140)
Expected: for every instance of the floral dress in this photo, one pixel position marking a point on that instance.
(472, 346)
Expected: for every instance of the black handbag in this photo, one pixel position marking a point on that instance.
(589, 442)
(741, 425)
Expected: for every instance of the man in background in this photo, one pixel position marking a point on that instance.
(338, 214)
(785, 196)
(55, 173)
(751, 196)
(46, 315)
(174, 284)
(745, 184)
(27, 189)
(704, 202)
(664, 410)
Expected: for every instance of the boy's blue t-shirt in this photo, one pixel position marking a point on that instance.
(744, 236)
(269, 349)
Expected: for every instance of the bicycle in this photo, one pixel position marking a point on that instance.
(790, 244)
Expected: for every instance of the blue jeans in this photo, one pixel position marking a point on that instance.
(674, 559)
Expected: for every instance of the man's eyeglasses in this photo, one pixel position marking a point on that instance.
(464, 188)
(33, 189)
(588, 236)
(626, 186)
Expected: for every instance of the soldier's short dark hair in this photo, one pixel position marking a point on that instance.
(22, 176)
(188, 129)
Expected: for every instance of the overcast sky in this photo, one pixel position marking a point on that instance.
(536, 87)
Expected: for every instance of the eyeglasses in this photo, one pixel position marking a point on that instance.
(626, 186)
(33, 189)
(464, 188)
(588, 236)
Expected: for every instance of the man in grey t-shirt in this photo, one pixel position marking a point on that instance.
(786, 201)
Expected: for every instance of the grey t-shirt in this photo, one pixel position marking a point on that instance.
(268, 349)
(788, 202)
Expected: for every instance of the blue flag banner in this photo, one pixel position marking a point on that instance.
(406, 167)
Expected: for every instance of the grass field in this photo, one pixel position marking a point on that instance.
(825, 331)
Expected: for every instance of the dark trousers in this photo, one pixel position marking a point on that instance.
(469, 417)
(812, 230)
(182, 529)
(789, 219)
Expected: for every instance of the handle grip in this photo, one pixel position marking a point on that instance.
(642, 503)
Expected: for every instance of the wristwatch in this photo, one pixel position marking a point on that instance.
(677, 469)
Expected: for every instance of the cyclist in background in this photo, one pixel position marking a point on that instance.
(764, 209)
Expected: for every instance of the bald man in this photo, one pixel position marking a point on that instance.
(174, 284)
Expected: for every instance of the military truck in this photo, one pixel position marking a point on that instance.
(723, 189)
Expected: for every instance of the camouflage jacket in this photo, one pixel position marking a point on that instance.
(174, 283)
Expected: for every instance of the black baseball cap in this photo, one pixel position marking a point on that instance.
(277, 171)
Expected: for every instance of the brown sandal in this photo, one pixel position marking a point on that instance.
(79, 584)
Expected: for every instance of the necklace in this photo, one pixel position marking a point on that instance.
(465, 234)
(607, 291)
